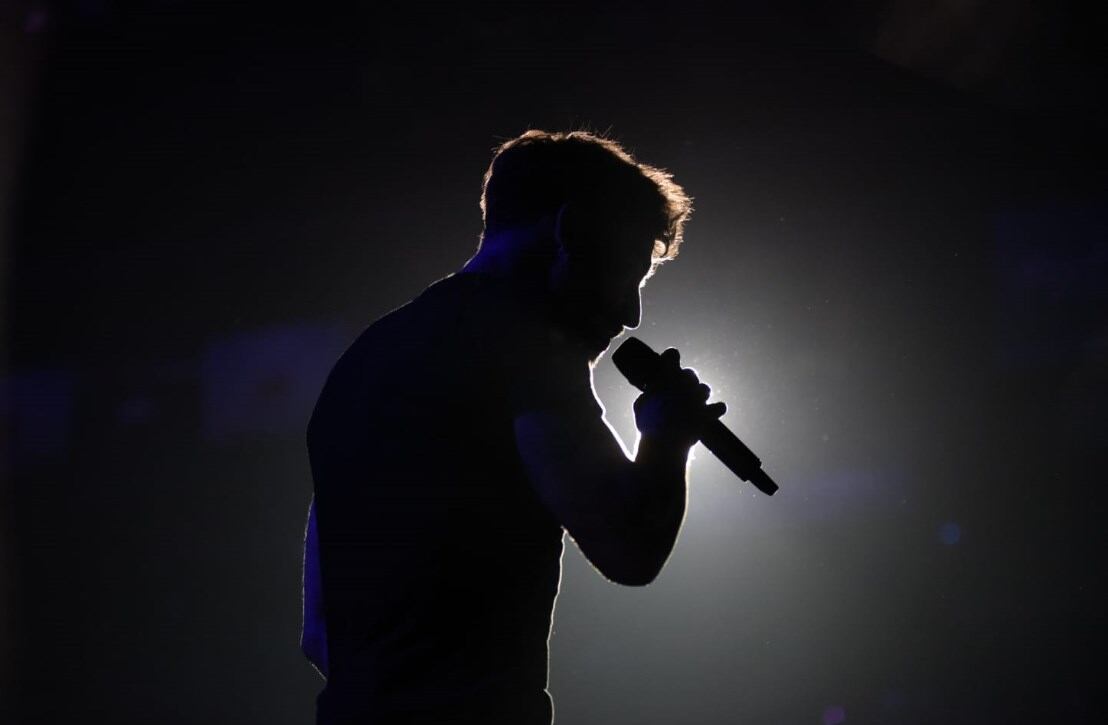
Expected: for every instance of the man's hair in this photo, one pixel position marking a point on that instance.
(532, 175)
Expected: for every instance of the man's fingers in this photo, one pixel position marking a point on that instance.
(671, 357)
(715, 410)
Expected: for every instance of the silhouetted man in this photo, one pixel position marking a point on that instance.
(458, 438)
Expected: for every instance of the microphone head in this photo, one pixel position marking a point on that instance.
(637, 362)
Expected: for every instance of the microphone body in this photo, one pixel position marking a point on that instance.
(642, 366)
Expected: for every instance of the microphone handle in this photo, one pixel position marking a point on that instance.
(734, 454)
(640, 365)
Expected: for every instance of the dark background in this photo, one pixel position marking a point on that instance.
(896, 277)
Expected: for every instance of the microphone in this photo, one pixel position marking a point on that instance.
(642, 366)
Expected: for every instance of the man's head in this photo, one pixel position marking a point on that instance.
(609, 220)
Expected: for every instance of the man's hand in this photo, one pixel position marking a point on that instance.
(675, 408)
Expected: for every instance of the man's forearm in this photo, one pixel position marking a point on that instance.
(658, 497)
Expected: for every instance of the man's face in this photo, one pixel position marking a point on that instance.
(597, 291)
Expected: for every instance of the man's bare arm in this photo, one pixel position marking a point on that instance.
(624, 514)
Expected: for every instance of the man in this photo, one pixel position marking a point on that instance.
(459, 437)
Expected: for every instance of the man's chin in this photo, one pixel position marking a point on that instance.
(600, 345)
(591, 347)
(593, 344)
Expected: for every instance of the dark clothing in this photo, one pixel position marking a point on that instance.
(439, 564)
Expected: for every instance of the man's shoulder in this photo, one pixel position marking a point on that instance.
(488, 310)
(457, 315)
(488, 322)
(443, 300)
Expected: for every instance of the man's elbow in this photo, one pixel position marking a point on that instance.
(633, 573)
(635, 580)
(633, 559)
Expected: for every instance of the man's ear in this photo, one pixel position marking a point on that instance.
(564, 232)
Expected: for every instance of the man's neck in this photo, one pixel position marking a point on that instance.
(518, 257)
(521, 262)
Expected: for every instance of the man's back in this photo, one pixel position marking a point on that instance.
(440, 566)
